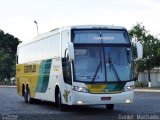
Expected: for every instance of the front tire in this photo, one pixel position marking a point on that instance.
(60, 105)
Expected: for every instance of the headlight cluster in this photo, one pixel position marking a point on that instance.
(129, 88)
(80, 89)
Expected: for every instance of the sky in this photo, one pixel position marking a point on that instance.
(17, 16)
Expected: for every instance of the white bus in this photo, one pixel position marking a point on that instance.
(77, 65)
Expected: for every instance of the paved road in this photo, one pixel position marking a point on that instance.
(146, 105)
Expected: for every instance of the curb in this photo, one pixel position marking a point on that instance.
(8, 86)
(146, 90)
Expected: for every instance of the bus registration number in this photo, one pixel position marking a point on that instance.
(105, 98)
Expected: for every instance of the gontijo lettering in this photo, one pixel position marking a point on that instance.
(29, 68)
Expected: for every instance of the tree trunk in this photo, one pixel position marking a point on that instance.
(149, 78)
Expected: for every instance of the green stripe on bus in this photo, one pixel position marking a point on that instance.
(111, 87)
(43, 76)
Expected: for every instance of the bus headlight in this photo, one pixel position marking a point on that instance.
(129, 88)
(80, 89)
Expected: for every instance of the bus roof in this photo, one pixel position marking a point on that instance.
(57, 30)
(95, 27)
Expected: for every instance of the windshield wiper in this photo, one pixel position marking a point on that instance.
(98, 67)
(100, 64)
(113, 68)
(103, 52)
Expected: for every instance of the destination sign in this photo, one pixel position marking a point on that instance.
(104, 38)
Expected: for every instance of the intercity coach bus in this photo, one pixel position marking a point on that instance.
(78, 65)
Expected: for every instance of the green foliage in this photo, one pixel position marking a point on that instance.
(8, 49)
(151, 50)
(140, 84)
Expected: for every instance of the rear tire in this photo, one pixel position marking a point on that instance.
(110, 106)
(27, 96)
(24, 96)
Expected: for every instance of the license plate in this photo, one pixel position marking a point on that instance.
(105, 98)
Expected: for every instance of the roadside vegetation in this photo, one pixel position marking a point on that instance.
(8, 49)
(151, 49)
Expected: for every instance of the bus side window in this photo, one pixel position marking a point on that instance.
(66, 70)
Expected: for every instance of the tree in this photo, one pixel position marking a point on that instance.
(8, 49)
(151, 48)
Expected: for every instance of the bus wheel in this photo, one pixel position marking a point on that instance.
(110, 106)
(27, 96)
(61, 106)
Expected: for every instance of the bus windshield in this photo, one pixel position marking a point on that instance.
(103, 64)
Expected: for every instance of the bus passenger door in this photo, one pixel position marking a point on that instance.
(67, 76)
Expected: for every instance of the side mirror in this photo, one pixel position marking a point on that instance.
(139, 50)
(71, 51)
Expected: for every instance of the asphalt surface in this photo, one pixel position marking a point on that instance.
(12, 107)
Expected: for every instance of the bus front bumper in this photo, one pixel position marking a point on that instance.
(80, 98)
